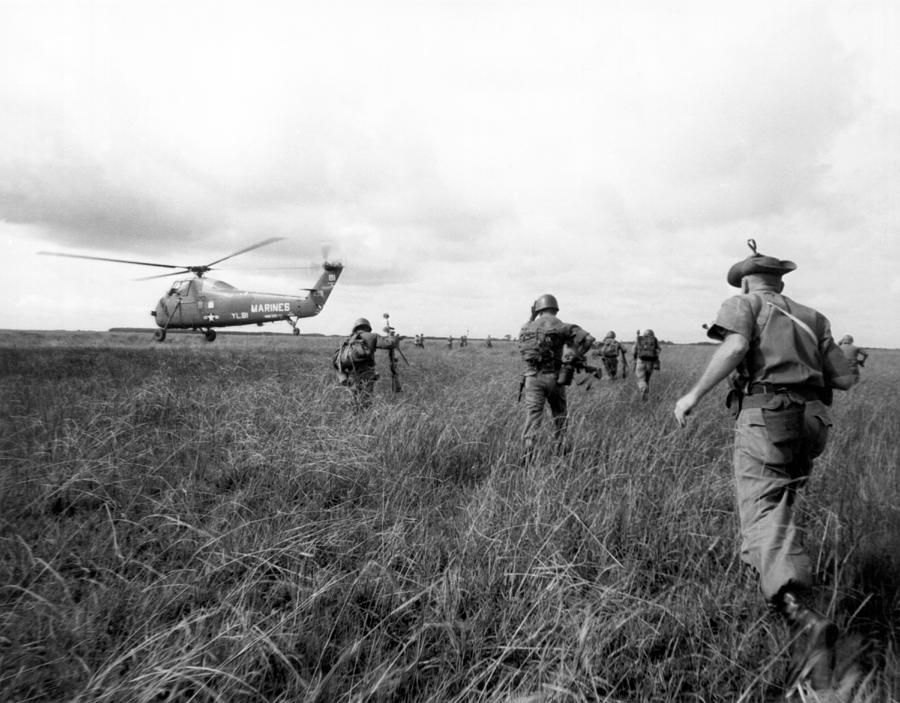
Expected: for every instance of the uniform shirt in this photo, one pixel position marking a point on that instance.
(557, 334)
(637, 345)
(610, 347)
(782, 351)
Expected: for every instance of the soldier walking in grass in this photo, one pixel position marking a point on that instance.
(785, 364)
(855, 356)
(355, 361)
(609, 351)
(545, 342)
(646, 360)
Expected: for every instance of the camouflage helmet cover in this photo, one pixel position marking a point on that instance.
(361, 323)
(647, 333)
(610, 335)
(848, 339)
(546, 302)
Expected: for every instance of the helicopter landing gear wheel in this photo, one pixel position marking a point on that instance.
(296, 332)
(159, 335)
(210, 335)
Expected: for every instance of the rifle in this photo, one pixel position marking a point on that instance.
(392, 358)
(574, 365)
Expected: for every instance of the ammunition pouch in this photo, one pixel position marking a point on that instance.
(734, 401)
(783, 408)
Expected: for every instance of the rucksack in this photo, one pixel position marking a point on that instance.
(610, 347)
(351, 353)
(646, 348)
(539, 347)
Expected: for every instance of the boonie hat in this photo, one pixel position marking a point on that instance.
(758, 263)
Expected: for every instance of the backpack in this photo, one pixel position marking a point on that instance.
(352, 352)
(539, 347)
(609, 347)
(646, 348)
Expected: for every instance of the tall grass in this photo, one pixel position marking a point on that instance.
(214, 522)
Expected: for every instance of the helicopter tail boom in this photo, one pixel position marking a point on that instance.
(323, 287)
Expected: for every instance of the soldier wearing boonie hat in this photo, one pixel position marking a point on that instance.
(785, 364)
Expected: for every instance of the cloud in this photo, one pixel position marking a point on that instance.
(465, 156)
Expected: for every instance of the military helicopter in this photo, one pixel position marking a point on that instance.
(202, 304)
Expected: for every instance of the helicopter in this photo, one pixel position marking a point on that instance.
(202, 304)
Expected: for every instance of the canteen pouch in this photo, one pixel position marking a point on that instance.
(784, 423)
(566, 372)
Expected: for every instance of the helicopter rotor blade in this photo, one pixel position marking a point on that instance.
(244, 251)
(270, 268)
(164, 275)
(117, 261)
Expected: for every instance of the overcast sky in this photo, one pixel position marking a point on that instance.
(461, 158)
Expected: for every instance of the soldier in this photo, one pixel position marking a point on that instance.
(489, 342)
(355, 361)
(609, 352)
(855, 356)
(646, 360)
(463, 341)
(541, 343)
(786, 365)
(450, 342)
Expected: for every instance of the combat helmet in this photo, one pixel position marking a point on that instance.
(610, 335)
(848, 339)
(361, 323)
(647, 333)
(546, 302)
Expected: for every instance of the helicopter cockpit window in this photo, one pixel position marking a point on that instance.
(180, 288)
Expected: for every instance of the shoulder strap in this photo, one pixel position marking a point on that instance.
(767, 308)
(761, 310)
(797, 321)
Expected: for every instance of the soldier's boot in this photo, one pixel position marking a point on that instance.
(813, 638)
(645, 393)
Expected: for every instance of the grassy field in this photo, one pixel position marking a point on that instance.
(211, 522)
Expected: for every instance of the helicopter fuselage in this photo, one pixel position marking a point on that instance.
(204, 303)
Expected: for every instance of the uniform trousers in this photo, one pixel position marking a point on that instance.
(362, 385)
(767, 478)
(611, 363)
(542, 388)
(643, 370)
